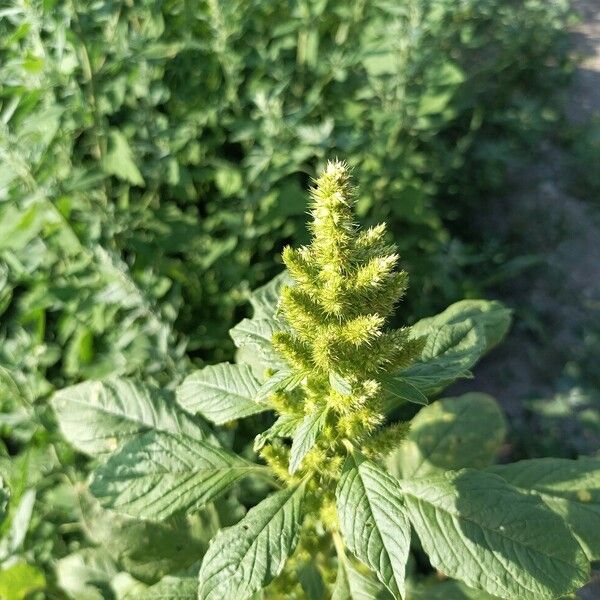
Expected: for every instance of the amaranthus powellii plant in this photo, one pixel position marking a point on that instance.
(349, 473)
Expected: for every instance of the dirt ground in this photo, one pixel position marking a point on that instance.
(562, 292)
(585, 97)
(540, 216)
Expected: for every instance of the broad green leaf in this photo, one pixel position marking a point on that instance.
(400, 390)
(569, 487)
(19, 227)
(340, 384)
(228, 180)
(19, 580)
(311, 581)
(247, 355)
(265, 299)
(351, 584)
(221, 393)
(148, 549)
(435, 102)
(87, 575)
(451, 433)
(169, 588)
(97, 417)
(284, 380)
(445, 73)
(243, 559)
(380, 61)
(306, 435)
(285, 426)
(217, 251)
(257, 334)
(14, 538)
(476, 528)
(456, 339)
(449, 353)
(158, 474)
(119, 159)
(447, 590)
(373, 520)
(492, 315)
(459, 341)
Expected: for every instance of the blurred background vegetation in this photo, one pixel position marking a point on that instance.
(154, 160)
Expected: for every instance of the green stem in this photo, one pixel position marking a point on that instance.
(340, 548)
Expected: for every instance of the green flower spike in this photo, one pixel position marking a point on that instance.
(347, 283)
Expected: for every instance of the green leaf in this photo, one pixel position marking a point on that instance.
(20, 226)
(284, 380)
(285, 426)
(461, 342)
(445, 73)
(399, 390)
(229, 180)
(380, 61)
(456, 340)
(265, 299)
(492, 315)
(87, 575)
(451, 433)
(571, 488)
(351, 584)
(448, 354)
(20, 580)
(221, 393)
(311, 581)
(13, 539)
(148, 549)
(257, 334)
(169, 588)
(247, 355)
(158, 474)
(243, 559)
(119, 160)
(447, 590)
(306, 435)
(340, 384)
(97, 417)
(373, 520)
(435, 102)
(216, 251)
(476, 528)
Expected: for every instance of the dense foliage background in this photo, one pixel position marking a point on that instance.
(154, 160)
